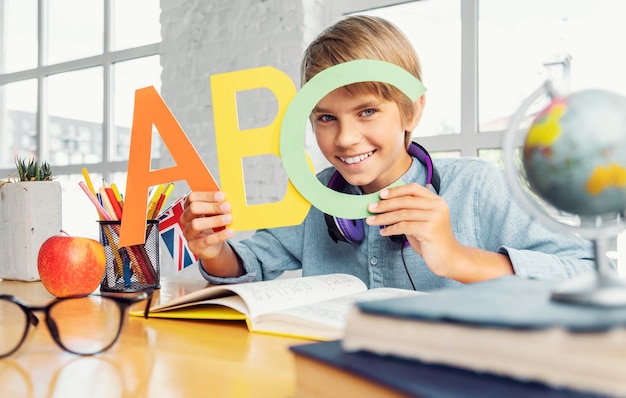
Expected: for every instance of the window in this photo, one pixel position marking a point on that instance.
(434, 29)
(438, 30)
(68, 74)
(482, 58)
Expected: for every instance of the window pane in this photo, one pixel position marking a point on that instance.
(79, 214)
(494, 155)
(130, 76)
(565, 40)
(75, 117)
(135, 23)
(75, 29)
(434, 27)
(18, 35)
(18, 122)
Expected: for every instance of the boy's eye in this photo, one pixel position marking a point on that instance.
(368, 112)
(326, 118)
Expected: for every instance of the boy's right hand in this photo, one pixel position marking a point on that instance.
(203, 220)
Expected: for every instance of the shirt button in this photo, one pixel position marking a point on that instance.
(373, 261)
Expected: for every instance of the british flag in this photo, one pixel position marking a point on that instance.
(172, 234)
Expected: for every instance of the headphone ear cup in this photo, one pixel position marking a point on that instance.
(341, 229)
(352, 230)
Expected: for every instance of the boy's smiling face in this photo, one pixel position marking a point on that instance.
(362, 136)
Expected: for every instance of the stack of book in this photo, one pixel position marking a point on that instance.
(503, 337)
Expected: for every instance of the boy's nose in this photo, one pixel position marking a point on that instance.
(348, 135)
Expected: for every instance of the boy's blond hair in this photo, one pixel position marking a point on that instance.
(365, 37)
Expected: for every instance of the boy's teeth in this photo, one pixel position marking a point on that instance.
(356, 159)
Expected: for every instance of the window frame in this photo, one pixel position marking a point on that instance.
(106, 60)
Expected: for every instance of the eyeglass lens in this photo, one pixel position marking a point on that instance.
(13, 324)
(84, 325)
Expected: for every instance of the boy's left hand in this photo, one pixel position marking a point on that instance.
(423, 217)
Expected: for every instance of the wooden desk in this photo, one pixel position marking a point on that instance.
(152, 358)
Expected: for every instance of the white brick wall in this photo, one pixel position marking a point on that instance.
(201, 38)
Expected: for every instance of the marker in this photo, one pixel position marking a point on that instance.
(118, 197)
(162, 199)
(114, 203)
(154, 200)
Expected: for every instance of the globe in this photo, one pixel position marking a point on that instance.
(567, 168)
(574, 154)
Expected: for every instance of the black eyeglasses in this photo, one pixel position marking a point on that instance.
(80, 325)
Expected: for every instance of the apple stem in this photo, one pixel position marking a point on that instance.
(63, 232)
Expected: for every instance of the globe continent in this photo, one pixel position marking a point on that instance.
(574, 154)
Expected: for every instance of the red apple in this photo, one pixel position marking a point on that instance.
(71, 266)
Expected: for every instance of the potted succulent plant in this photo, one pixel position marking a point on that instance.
(30, 212)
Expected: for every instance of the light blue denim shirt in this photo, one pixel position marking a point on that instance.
(483, 214)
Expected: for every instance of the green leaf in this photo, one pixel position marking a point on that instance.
(31, 170)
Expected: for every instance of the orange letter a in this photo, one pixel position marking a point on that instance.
(151, 109)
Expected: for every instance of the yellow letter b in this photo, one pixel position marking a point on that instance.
(234, 145)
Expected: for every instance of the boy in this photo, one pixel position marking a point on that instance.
(461, 227)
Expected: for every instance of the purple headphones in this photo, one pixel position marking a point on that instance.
(353, 231)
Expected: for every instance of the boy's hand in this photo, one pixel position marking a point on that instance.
(203, 220)
(423, 217)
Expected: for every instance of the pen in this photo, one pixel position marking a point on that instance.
(126, 266)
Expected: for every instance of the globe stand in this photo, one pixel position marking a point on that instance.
(603, 288)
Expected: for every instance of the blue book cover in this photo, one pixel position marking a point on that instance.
(509, 302)
(415, 378)
(508, 326)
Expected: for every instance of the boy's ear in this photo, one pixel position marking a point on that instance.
(419, 111)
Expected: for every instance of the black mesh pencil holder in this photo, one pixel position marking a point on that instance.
(133, 268)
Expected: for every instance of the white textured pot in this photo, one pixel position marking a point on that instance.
(30, 212)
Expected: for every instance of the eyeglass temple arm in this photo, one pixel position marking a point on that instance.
(148, 304)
